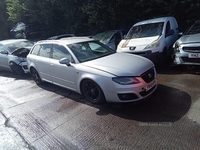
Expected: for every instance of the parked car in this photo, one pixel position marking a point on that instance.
(22, 30)
(152, 39)
(56, 37)
(89, 67)
(110, 38)
(13, 54)
(187, 47)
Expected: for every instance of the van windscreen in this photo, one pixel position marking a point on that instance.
(145, 30)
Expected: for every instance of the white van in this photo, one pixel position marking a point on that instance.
(151, 38)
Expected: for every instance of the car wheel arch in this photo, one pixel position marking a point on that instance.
(81, 82)
(37, 79)
(102, 99)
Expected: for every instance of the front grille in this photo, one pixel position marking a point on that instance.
(191, 60)
(192, 49)
(148, 76)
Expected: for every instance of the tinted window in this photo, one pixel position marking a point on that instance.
(168, 27)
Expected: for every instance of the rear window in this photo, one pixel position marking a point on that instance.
(43, 50)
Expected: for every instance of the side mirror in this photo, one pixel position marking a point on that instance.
(65, 61)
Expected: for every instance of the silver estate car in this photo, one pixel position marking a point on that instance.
(187, 47)
(92, 69)
(13, 54)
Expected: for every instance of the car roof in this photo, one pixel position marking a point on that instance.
(161, 19)
(60, 36)
(113, 31)
(68, 40)
(12, 41)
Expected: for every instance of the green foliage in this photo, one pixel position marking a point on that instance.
(15, 10)
(87, 17)
(4, 24)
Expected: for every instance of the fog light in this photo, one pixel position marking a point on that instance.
(127, 96)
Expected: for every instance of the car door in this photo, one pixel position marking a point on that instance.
(169, 38)
(62, 74)
(42, 60)
(4, 58)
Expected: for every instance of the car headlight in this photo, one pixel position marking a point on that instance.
(153, 44)
(125, 43)
(176, 47)
(126, 80)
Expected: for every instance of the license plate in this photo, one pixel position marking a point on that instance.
(194, 55)
(149, 86)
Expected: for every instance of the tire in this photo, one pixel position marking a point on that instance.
(36, 76)
(92, 91)
(16, 68)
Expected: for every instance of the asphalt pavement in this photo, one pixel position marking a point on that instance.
(52, 118)
(10, 139)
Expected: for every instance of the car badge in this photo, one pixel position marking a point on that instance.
(132, 48)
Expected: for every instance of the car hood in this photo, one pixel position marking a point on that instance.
(21, 52)
(139, 41)
(121, 64)
(192, 38)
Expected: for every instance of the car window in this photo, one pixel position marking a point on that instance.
(168, 28)
(104, 37)
(90, 50)
(60, 52)
(194, 29)
(20, 26)
(35, 50)
(45, 50)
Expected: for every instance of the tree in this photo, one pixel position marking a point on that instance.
(4, 24)
(85, 17)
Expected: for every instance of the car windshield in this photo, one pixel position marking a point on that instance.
(104, 37)
(194, 29)
(3, 48)
(145, 30)
(19, 44)
(90, 50)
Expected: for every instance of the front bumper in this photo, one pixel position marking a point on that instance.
(154, 57)
(184, 59)
(21, 68)
(133, 92)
